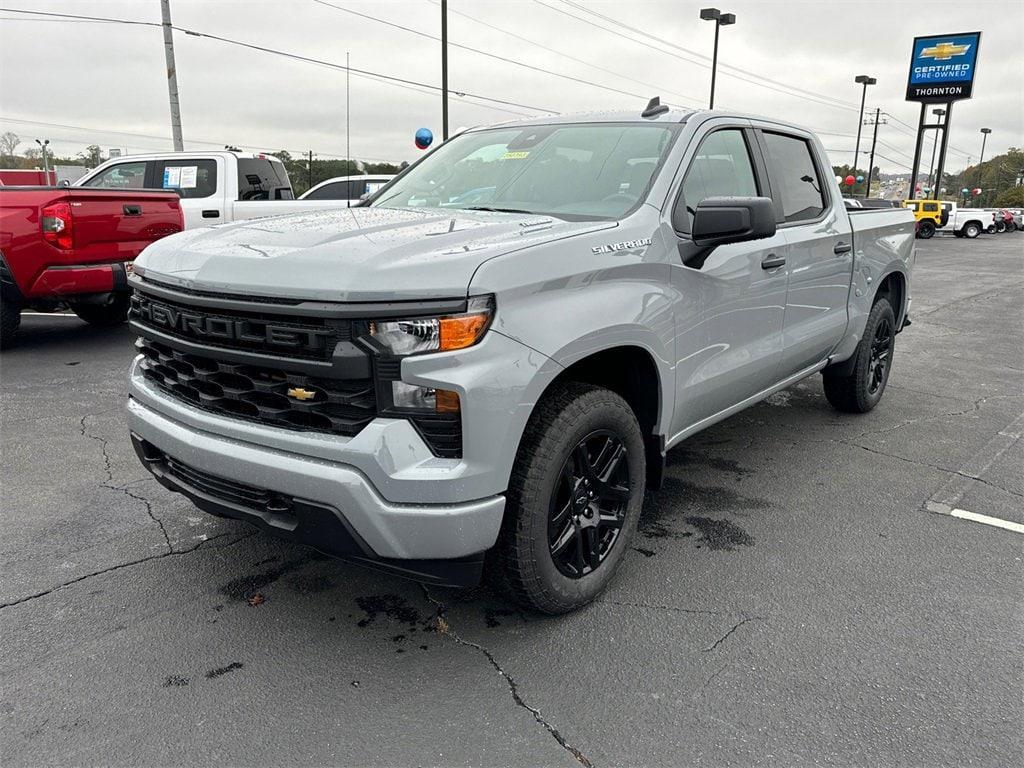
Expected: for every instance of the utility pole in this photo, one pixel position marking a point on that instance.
(172, 75)
(348, 133)
(444, 70)
(939, 113)
(874, 141)
(309, 169)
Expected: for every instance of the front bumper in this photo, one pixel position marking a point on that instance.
(328, 504)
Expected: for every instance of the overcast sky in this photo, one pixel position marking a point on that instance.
(81, 83)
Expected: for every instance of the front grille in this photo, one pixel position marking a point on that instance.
(311, 338)
(442, 432)
(260, 394)
(240, 494)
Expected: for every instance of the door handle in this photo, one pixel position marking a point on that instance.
(772, 261)
(842, 248)
(132, 210)
(210, 213)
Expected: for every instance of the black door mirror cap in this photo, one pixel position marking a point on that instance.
(722, 220)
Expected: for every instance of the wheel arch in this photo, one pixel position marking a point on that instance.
(632, 372)
(893, 287)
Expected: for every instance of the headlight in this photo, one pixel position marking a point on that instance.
(436, 334)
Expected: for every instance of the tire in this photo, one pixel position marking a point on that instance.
(10, 321)
(859, 390)
(991, 229)
(549, 522)
(114, 312)
(927, 230)
(972, 229)
(1000, 226)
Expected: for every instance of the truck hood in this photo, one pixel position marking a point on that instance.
(350, 254)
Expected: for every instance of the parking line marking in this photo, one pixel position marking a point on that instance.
(974, 517)
(958, 485)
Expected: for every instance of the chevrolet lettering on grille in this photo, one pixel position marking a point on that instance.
(200, 326)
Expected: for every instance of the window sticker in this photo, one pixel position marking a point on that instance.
(188, 176)
(172, 177)
(515, 155)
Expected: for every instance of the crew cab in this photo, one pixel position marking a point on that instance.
(215, 187)
(494, 352)
(61, 246)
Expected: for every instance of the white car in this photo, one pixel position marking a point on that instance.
(350, 189)
(215, 187)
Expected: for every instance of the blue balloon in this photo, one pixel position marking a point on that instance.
(424, 138)
(860, 179)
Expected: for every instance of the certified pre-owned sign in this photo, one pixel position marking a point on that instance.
(942, 67)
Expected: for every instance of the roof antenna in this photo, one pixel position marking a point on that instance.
(654, 108)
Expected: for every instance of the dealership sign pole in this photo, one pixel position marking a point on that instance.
(941, 71)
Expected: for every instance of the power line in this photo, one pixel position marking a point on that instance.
(555, 51)
(489, 55)
(286, 54)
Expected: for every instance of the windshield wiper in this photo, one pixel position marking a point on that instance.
(495, 210)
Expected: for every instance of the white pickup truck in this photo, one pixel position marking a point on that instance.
(215, 187)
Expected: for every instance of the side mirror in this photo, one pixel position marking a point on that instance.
(721, 220)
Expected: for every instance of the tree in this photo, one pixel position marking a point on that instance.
(92, 156)
(8, 146)
(1011, 198)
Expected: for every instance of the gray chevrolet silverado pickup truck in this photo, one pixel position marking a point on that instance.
(492, 355)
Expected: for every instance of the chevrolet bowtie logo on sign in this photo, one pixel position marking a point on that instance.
(298, 393)
(942, 67)
(945, 51)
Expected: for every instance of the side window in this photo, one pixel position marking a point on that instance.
(337, 190)
(191, 178)
(121, 176)
(721, 168)
(260, 178)
(794, 177)
(931, 207)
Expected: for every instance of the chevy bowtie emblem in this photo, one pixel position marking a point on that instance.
(944, 51)
(301, 394)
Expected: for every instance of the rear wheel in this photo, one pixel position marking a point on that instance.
(972, 230)
(1000, 226)
(113, 312)
(859, 390)
(574, 499)
(927, 230)
(10, 321)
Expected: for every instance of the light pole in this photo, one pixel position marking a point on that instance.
(721, 20)
(444, 70)
(935, 144)
(865, 80)
(42, 148)
(984, 137)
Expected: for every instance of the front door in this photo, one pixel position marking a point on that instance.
(729, 342)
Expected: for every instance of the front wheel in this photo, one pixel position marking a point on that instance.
(859, 390)
(927, 230)
(1000, 226)
(972, 230)
(573, 500)
(113, 312)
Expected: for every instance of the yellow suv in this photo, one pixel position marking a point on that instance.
(930, 215)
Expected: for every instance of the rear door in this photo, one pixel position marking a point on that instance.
(729, 314)
(818, 250)
(199, 183)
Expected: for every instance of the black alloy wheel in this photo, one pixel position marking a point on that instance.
(881, 354)
(588, 504)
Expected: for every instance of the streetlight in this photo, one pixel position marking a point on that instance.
(42, 148)
(866, 80)
(984, 137)
(721, 20)
(931, 167)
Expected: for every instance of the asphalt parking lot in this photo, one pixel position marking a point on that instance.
(790, 600)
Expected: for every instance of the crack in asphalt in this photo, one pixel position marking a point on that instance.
(129, 564)
(444, 628)
(672, 608)
(736, 626)
(973, 297)
(109, 483)
(974, 408)
(936, 467)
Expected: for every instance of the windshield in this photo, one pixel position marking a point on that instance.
(574, 170)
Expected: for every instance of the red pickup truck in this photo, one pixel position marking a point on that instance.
(73, 247)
